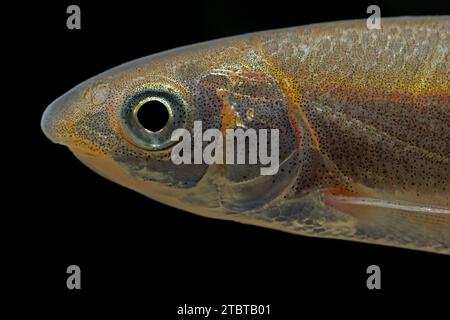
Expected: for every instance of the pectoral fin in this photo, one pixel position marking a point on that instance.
(417, 225)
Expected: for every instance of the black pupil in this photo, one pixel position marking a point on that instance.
(153, 115)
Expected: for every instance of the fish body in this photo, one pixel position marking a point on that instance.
(363, 118)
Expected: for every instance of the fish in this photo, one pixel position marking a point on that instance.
(362, 116)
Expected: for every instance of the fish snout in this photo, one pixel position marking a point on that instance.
(80, 119)
(50, 122)
(60, 115)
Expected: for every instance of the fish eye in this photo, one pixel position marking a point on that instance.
(153, 114)
(150, 115)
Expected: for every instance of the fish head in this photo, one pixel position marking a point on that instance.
(112, 123)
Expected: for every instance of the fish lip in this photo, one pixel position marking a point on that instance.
(86, 153)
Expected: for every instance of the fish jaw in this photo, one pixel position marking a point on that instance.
(202, 199)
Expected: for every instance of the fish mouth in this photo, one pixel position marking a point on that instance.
(91, 160)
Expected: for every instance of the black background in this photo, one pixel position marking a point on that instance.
(136, 255)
